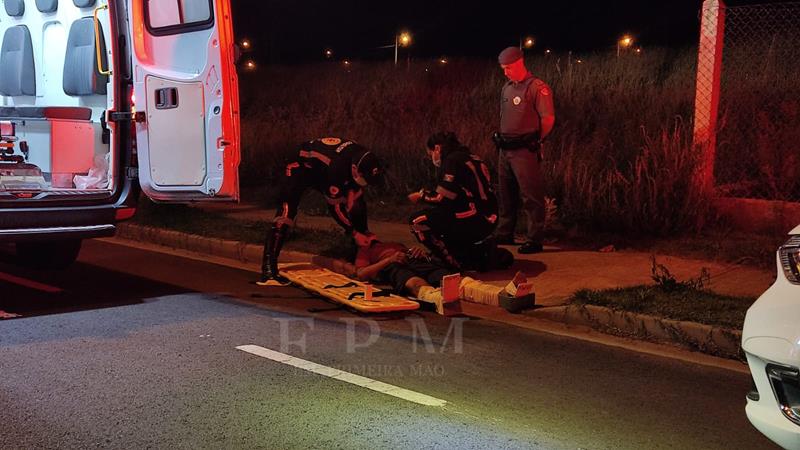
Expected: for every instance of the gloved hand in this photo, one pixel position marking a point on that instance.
(415, 197)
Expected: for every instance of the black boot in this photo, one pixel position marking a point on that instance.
(269, 262)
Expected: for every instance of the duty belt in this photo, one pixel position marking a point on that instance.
(516, 141)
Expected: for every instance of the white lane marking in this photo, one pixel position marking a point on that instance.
(29, 283)
(340, 375)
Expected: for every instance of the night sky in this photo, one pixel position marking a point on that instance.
(291, 31)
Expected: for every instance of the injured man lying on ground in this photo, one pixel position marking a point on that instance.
(412, 271)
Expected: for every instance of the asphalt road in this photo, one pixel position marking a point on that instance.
(130, 349)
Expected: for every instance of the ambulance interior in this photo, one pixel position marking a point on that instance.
(53, 97)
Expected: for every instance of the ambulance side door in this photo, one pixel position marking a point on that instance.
(185, 84)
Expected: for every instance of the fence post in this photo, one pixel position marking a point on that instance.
(709, 74)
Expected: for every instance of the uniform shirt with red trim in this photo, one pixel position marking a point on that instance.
(464, 184)
(523, 104)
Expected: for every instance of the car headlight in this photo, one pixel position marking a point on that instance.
(790, 259)
(786, 386)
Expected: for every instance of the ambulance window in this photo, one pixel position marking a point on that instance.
(178, 16)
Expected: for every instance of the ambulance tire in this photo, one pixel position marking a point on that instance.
(48, 255)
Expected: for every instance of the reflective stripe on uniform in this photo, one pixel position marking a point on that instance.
(434, 199)
(477, 180)
(283, 218)
(446, 192)
(335, 201)
(342, 217)
(419, 227)
(344, 146)
(467, 214)
(316, 155)
(291, 166)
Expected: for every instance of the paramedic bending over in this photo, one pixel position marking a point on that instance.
(337, 168)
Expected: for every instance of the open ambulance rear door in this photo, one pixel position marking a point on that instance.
(186, 91)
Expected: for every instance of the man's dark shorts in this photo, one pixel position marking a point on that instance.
(398, 274)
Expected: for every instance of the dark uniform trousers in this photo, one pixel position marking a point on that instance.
(520, 184)
(460, 235)
(523, 105)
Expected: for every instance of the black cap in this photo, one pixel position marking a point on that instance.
(446, 139)
(370, 167)
(509, 55)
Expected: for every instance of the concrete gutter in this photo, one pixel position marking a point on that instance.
(689, 335)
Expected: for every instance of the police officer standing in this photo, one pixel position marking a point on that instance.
(337, 168)
(526, 118)
(461, 212)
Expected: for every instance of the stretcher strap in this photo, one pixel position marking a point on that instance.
(346, 285)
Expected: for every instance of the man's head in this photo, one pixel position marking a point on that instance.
(439, 142)
(513, 64)
(367, 169)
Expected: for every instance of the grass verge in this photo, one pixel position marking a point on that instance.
(693, 305)
(331, 242)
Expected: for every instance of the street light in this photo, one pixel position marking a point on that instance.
(624, 42)
(245, 44)
(443, 60)
(401, 40)
(527, 43)
(250, 65)
(328, 53)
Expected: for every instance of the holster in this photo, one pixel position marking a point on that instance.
(516, 142)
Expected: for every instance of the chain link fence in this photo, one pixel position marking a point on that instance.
(758, 121)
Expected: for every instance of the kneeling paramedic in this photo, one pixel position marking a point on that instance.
(337, 168)
(462, 211)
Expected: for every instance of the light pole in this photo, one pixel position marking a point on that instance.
(624, 43)
(401, 40)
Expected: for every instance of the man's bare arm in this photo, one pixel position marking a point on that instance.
(370, 272)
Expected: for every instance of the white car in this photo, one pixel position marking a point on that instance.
(771, 341)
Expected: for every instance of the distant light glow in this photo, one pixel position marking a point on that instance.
(626, 41)
(245, 44)
(404, 39)
(529, 42)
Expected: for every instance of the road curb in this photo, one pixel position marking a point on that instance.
(707, 339)
(222, 248)
(716, 341)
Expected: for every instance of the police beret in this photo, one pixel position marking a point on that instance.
(509, 55)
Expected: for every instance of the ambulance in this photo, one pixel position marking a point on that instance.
(103, 99)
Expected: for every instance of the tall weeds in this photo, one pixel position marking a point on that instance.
(619, 159)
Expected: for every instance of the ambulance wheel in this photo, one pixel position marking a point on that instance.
(48, 255)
